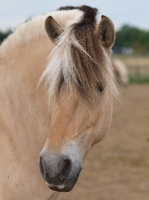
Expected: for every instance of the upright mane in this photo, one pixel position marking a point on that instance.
(34, 29)
(79, 62)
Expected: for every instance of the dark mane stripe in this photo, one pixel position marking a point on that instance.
(89, 12)
(68, 8)
(89, 15)
(87, 70)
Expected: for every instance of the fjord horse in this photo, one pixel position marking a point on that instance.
(56, 91)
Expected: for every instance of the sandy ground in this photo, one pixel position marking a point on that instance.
(118, 167)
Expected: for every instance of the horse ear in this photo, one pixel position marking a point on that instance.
(53, 29)
(106, 32)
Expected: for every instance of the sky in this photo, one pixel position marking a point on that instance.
(132, 12)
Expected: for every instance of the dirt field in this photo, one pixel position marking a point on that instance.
(118, 167)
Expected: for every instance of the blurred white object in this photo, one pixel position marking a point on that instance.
(120, 71)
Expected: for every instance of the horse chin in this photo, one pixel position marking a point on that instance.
(66, 187)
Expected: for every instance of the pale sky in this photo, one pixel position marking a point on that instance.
(133, 12)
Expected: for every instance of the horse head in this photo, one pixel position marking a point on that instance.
(81, 84)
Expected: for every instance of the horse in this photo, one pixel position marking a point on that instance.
(56, 99)
(121, 72)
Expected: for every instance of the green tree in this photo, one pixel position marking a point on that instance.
(4, 35)
(133, 37)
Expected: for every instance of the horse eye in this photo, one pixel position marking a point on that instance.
(100, 87)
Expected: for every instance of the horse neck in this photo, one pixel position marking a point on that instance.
(27, 61)
(24, 106)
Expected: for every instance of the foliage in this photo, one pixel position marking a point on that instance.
(142, 79)
(133, 37)
(4, 35)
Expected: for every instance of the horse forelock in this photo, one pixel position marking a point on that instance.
(79, 62)
(89, 12)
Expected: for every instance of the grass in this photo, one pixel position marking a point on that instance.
(140, 79)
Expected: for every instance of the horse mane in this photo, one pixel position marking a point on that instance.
(79, 62)
(33, 29)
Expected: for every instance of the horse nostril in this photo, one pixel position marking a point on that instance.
(65, 170)
(41, 167)
(56, 171)
(62, 178)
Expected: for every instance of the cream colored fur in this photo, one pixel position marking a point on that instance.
(28, 122)
(34, 29)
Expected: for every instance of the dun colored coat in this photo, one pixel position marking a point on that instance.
(56, 91)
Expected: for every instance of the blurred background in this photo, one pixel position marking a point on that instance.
(118, 167)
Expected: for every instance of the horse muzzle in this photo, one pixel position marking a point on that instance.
(60, 172)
